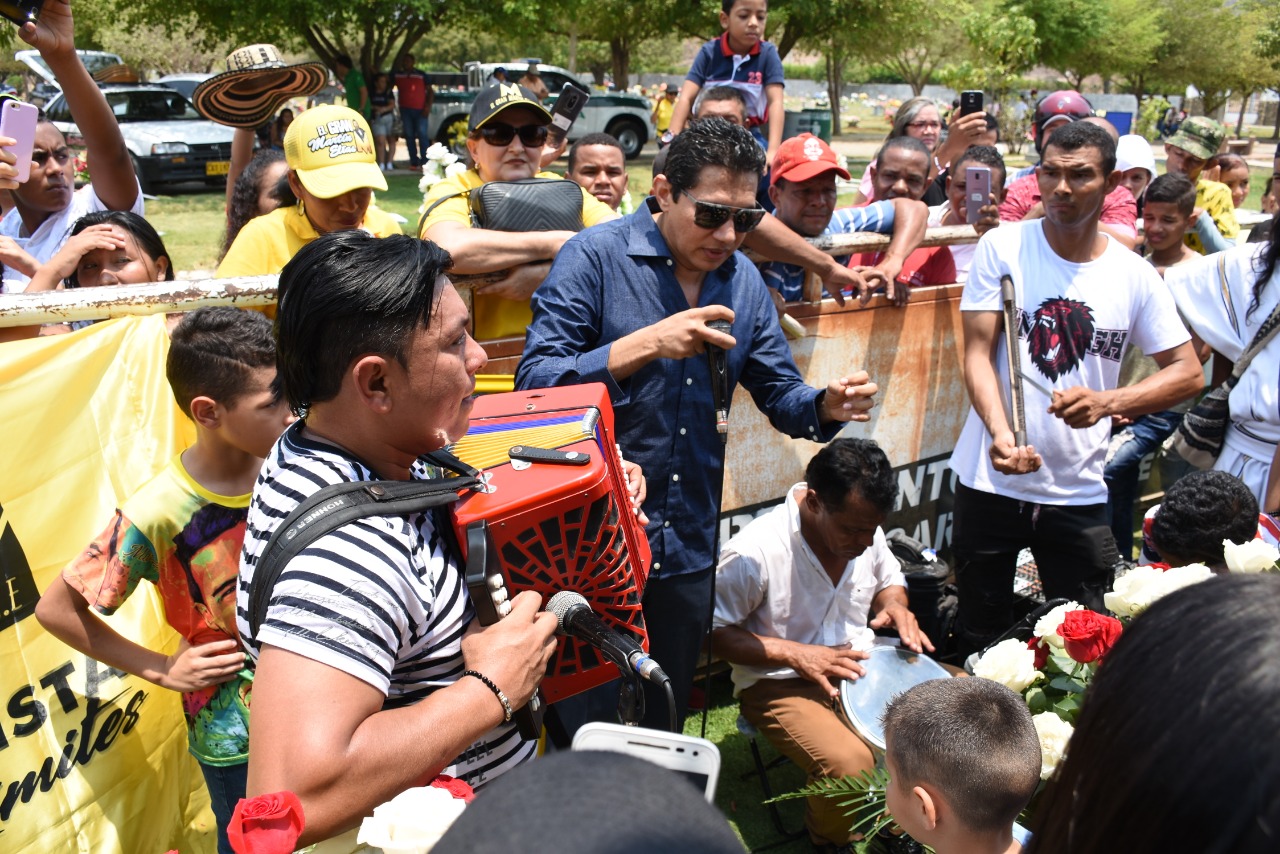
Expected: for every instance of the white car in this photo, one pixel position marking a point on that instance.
(168, 141)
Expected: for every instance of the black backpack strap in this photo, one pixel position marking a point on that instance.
(334, 506)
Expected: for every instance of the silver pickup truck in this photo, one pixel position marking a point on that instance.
(622, 114)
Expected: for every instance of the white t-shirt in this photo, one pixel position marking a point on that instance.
(770, 583)
(961, 253)
(1075, 322)
(52, 233)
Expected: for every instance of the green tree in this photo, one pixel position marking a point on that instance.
(1125, 46)
(1212, 47)
(1002, 46)
(1268, 50)
(916, 38)
(373, 32)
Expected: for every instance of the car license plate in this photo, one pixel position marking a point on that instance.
(217, 167)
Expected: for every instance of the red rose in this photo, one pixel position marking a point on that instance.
(458, 788)
(1041, 650)
(267, 824)
(1088, 635)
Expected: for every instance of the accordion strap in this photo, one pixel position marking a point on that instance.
(341, 503)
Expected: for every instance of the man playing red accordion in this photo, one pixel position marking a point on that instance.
(371, 675)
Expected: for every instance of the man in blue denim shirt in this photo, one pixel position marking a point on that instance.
(627, 303)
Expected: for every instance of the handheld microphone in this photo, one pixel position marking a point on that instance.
(720, 393)
(576, 619)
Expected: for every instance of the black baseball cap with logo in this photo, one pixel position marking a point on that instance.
(498, 97)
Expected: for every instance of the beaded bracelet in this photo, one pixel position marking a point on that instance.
(502, 698)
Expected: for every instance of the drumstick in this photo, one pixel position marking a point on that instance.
(1018, 410)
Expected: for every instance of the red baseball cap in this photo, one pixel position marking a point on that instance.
(803, 157)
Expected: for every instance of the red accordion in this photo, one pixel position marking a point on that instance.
(554, 515)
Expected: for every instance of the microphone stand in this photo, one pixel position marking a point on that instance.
(720, 396)
(630, 699)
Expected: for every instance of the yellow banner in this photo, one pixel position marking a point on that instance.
(91, 759)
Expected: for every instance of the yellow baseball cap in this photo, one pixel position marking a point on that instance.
(331, 149)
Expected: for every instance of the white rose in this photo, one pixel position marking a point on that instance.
(1054, 734)
(1183, 576)
(1010, 663)
(1253, 556)
(438, 152)
(1047, 626)
(454, 168)
(412, 822)
(1139, 587)
(1134, 591)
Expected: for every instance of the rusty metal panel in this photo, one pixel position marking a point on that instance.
(912, 353)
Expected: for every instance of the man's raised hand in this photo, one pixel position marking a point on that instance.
(849, 398)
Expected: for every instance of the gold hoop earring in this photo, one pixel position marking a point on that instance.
(302, 209)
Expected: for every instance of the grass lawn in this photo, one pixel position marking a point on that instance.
(740, 799)
(191, 220)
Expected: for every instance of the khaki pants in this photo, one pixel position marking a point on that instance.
(801, 723)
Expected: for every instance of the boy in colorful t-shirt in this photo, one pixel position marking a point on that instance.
(183, 532)
(740, 58)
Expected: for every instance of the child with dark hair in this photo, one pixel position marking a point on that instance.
(740, 58)
(1197, 514)
(254, 192)
(1168, 205)
(105, 248)
(955, 210)
(1170, 202)
(183, 532)
(963, 759)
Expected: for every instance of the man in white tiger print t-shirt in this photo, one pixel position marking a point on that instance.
(371, 676)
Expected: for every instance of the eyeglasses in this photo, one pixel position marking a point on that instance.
(40, 158)
(501, 133)
(925, 125)
(711, 215)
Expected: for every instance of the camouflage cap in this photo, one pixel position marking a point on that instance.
(1199, 136)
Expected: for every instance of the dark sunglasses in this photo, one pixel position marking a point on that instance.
(711, 215)
(500, 133)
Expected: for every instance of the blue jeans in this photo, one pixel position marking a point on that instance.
(1121, 474)
(226, 787)
(415, 135)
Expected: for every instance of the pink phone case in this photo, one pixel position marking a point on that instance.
(18, 122)
(977, 188)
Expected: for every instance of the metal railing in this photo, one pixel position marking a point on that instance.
(256, 291)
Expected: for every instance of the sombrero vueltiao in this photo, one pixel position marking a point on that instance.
(255, 85)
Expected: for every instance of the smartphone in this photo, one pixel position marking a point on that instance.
(977, 191)
(695, 759)
(18, 122)
(970, 102)
(566, 111)
(21, 12)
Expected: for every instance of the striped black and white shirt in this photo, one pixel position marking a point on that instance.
(381, 598)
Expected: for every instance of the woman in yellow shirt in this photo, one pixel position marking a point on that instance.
(333, 171)
(506, 140)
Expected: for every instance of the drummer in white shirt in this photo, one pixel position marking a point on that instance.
(795, 591)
